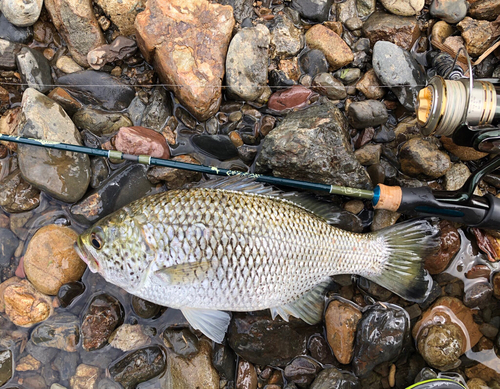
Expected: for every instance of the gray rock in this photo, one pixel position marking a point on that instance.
(242, 9)
(348, 75)
(346, 10)
(63, 175)
(317, 10)
(246, 75)
(65, 363)
(365, 7)
(100, 122)
(397, 69)
(286, 39)
(314, 62)
(333, 378)
(99, 88)
(22, 13)
(12, 33)
(61, 331)
(182, 341)
(327, 85)
(451, 11)
(8, 245)
(35, 69)
(420, 156)
(158, 110)
(136, 110)
(367, 113)
(313, 145)
(8, 52)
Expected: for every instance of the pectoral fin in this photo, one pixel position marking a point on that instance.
(308, 307)
(211, 322)
(183, 273)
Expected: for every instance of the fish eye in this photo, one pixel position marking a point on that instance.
(96, 241)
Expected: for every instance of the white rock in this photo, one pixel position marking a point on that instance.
(403, 7)
(22, 13)
(68, 65)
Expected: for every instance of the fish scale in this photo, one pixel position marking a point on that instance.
(217, 250)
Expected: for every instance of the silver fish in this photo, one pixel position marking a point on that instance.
(240, 246)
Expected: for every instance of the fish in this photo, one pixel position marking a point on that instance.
(238, 245)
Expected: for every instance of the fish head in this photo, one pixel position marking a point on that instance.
(116, 248)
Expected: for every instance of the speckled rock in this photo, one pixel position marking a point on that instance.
(367, 113)
(341, 321)
(370, 86)
(100, 122)
(22, 13)
(35, 69)
(478, 35)
(336, 51)
(246, 75)
(61, 331)
(403, 7)
(327, 85)
(192, 57)
(128, 337)
(17, 195)
(6, 366)
(62, 174)
(485, 9)
(450, 11)
(51, 260)
(286, 39)
(123, 13)
(77, 24)
(402, 31)
(449, 246)
(85, 377)
(333, 378)
(313, 144)
(174, 178)
(420, 156)
(456, 176)
(24, 305)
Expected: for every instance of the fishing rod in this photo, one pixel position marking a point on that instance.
(457, 206)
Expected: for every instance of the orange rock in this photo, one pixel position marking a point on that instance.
(336, 51)
(3, 286)
(51, 260)
(24, 305)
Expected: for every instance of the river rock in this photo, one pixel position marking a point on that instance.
(139, 141)
(370, 86)
(123, 13)
(28, 363)
(380, 337)
(192, 58)
(341, 321)
(8, 245)
(398, 70)
(157, 111)
(70, 292)
(181, 341)
(121, 48)
(35, 69)
(485, 9)
(78, 26)
(456, 177)
(286, 39)
(246, 376)
(103, 315)
(51, 260)
(462, 152)
(100, 122)
(449, 11)
(129, 337)
(337, 52)
(85, 377)
(441, 345)
(144, 308)
(477, 34)
(367, 113)
(402, 31)
(403, 7)
(61, 331)
(259, 339)
(22, 13)
(8, 52)
(125, 185)
(99, 88)
(448, 247)
(420, 156)
(216, 146)
(13, 33)
(6, 366)
(302, 370)
(297, 96)
(368, 154)
(313, 62)
(67, 65)
(317, 10)
(247, 74)
(333, 378)
(24, 305)
(478, 295)
(62, 174)
(194, 372)
(65, 100)
(224, 360)
(327, 85)
(17, 195)
(313, 145)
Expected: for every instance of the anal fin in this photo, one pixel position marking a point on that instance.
(308, 307)
(210, 322)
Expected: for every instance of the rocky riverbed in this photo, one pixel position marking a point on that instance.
(316, 90)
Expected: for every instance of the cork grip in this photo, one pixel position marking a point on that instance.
(390, 198)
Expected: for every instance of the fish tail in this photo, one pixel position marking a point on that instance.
(406, 245)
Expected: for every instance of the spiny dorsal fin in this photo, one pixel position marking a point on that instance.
(317, 207)
(308, 307)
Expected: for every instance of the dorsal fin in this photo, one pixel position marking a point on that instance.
(317, 207)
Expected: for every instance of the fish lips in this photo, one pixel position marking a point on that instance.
(84, 254)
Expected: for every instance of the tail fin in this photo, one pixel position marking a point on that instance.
(407, 244)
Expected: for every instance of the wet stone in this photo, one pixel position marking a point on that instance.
(403, 7)
(313, 62)
(421, 157)
(327, 85)
(478, 295)
(28, 363)
(302, 370)
(441, 345)
(138, 366)
(120, 49)
(246, 377)
(333, 378)
(139, 140)
(129, 337)
(100, 122)
(69, 292)
(367, 113)
(60, 331)
(100, 171)
(67, 65)
(35, 69)
(295, 97)
(65, 363)
(8, 245)
(335, 49)
(449, 246)
(182, 342)
(65, 100)
(17, 195)
(380, 337)
(85, 377)
(98, 88)
(381, 26)
(316, 10)
(51, 260)
(224, 360)
(103, 315)
(370, 86)
(6, 366)
(8, 52)
(341, 320)
(449, 11)
(263, 341)
(477, 35)
(319, 349)
(484, 10)
(157, 111)
(217, 146)
(13, 33)
(145, 309)
(286, 39)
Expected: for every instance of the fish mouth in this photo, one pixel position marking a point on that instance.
(80, 250)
